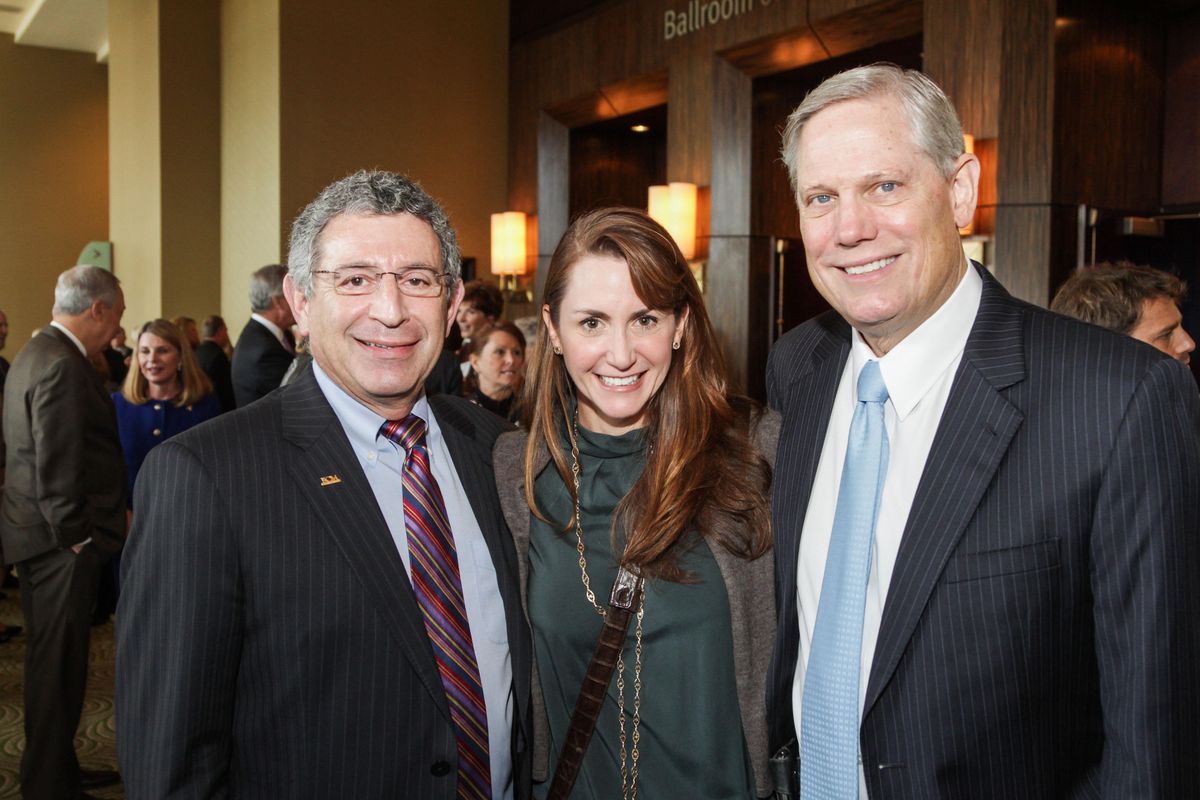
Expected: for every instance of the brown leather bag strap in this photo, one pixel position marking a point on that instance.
(626, 593)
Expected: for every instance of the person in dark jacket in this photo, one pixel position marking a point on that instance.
(266, 347)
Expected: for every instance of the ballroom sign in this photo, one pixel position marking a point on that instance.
(702, 13)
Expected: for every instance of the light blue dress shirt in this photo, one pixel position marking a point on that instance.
(382, 461)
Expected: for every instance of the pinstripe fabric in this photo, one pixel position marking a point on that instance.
(437, 585)
(269, 642)
(1039, 637)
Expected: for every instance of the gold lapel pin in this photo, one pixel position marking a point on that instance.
(330, 480)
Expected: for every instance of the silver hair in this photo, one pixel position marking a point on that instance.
(265, 283)
(371, 192)
(931, 116)
(81, 286)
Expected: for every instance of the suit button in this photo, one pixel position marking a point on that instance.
(440, 768)
(157, 407)
(157, 432)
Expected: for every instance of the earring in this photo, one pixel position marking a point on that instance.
(675, 345)
(557, 350)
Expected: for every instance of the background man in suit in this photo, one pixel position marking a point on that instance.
(266, 348)
(210, 355)
(276, 636)
(1137, 301)
(1019, 619)
(63, 515)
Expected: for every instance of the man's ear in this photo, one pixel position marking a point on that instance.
(964, 189)
(299, 303)
(452, 306)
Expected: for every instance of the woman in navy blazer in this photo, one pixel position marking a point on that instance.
(167, 394)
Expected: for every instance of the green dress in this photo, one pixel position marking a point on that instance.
(692, 743)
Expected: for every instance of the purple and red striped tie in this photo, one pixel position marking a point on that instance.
(433, 564)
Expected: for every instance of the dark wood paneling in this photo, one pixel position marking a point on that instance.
(1181, 120)
(553, 192)
(689, 118)
(866, 25)
(1026, 107)
(1023, 159)
(823, 9)
(728, 279)
(777, 53)
(610, 165)
(1108, 95)
(954, 29)
(615, 100)
(536, 17)
(1022, 247)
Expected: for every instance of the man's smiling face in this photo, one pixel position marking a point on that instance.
(879, 219)
(378, 347)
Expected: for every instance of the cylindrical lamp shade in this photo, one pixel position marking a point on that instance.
(674, 207)
(508, 243)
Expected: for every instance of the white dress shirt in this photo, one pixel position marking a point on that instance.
(918, 373)
(382, 461)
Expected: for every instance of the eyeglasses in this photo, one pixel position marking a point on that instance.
(412, 282)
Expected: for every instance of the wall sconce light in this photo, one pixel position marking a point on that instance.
(674, 207)
(508, 247)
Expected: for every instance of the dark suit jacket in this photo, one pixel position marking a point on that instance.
(65, 476)
(259, 362)
(270, 643)
(1040, 634)
(215, 363)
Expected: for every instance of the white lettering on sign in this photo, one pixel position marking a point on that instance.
(700, 13)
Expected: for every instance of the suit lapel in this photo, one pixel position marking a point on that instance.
(808, 400)
(976, 428)
(351, 516)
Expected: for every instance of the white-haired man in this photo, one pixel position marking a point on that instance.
(984, 512)
(62, 516)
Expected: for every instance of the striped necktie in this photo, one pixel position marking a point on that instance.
(433, 566)
(829, 711)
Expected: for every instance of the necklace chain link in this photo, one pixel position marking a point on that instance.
(629, 774)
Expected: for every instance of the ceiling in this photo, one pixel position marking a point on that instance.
(64, 24)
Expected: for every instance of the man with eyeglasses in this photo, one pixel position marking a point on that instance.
(349, 626)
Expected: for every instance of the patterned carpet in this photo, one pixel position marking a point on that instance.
(96, 741)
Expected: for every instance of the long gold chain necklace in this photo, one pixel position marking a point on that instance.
(628, 776)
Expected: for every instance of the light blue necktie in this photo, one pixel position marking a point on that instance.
(829, 713)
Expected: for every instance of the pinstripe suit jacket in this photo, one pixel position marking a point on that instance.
(1041, 633)
(270, 644)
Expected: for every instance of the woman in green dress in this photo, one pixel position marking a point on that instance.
(638, 455)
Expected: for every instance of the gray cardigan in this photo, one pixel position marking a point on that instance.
(750, 586)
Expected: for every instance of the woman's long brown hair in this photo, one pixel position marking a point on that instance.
(700, 458)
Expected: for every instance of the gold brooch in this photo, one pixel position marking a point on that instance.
(330, 480)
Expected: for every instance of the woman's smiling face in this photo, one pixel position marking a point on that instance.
(616, 350)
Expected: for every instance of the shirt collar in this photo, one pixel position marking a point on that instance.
(362, 425)
(71, 336)
(271, 326)
(912, 367)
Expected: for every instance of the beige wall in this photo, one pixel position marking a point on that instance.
(164, 134)
(419, 88)
(53, 175)
(135, 156)
(250, 219)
